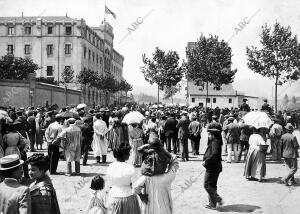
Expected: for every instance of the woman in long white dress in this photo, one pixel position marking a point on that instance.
(255, 166)
(158, 189)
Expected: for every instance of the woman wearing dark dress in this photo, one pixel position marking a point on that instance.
(43, 195)
(212, 162)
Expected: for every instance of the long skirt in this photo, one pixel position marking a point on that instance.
(1, 152)
(136, 155)
(124, 205)
(255, 165)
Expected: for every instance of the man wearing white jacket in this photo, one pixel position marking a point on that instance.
(100, 143)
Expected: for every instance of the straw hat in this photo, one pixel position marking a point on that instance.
(10, 162)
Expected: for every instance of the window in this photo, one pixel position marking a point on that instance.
(89, 54)
(27, 49)
(50, 30)
(68, 48)
(10, 30)
(68, 30)
(97, 59)
(193, 100)
(10, 49)
(214, 100)
(84, 52)
(93, 57)
(230, 100)
(27, 30)
(49, 70)
(93, 40)
(208, 100)
(89, 37)
(49, 50)
(100, 60)
(84, 69)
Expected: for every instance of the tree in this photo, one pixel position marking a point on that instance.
(125, 86)
(87, 77)
(67, 76)
(18, 68)
(279, 57)
(163, 69)
(209, 61)
(171, 91)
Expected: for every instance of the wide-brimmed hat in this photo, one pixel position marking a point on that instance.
(10, 162)
(215, 117)
(289, 127)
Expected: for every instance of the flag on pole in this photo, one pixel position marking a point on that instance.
(108, 11)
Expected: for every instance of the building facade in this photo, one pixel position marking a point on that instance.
(227, 97)
(56, 43)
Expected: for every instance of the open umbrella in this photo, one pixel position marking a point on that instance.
(257, 119)
(4, 115)
(154, 106)
(81, 105)
(133, 117)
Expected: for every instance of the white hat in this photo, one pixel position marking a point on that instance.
(10, 162)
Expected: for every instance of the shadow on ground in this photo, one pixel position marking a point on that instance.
(240, 208)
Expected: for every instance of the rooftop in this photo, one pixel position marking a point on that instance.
(36, 18)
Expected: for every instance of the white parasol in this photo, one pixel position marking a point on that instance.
(4, 115)
(81, 105)
(154, 106)
(257, 119)
(133, 117)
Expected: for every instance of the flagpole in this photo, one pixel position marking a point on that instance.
(104, 10)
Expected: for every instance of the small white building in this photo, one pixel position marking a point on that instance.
(226, 97)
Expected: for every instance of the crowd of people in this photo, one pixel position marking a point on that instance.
(153, 144)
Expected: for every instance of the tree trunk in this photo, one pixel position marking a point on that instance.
(276, 84)
(66, 95)
(157, 94)
(206, 96)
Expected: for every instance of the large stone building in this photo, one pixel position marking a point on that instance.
(55, 43)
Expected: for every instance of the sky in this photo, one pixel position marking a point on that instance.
(170, 24)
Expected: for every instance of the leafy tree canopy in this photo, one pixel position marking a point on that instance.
(163, 69)
(279, 56)
(12, 67)
(209, 61)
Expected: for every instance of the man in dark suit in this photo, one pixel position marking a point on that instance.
(183, 134)
(31, 130)
(14, 197)
(87, 132)
(245, 106)
(290, 146)
(170, 132)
